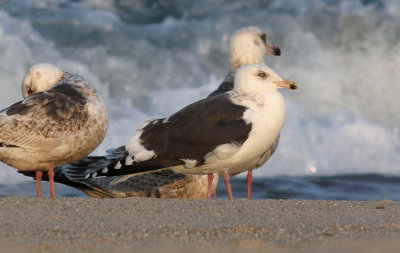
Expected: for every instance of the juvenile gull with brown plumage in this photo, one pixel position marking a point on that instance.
(61, 119)
(225, 134)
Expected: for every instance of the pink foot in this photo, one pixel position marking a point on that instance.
(51, 180)
(209, 188)
(249, 183)
(228, 186)
(39, 183)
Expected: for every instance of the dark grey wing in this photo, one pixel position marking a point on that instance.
(63, 102)
(73, 175)
(189, 134)
(225, 86)
(61, 177)
(46, 114)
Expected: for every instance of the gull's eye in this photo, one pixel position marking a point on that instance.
(262, 74)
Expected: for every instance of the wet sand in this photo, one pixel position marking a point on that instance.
(110, 225)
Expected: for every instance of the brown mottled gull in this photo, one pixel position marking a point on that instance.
(61, 119)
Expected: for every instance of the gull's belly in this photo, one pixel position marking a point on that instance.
(68, 147)
(253, 150)
(267, 123)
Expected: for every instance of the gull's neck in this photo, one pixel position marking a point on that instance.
(238, 60)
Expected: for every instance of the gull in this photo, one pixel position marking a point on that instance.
(248, 45)
(60, 120)
(225, 134)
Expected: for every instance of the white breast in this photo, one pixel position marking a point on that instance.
(267, 117)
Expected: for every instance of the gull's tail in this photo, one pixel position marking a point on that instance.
(73, 174)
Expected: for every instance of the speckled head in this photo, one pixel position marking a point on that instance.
(253, 79)
(249, 45)
(40, 77)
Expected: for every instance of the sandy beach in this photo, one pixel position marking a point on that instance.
(96, 225)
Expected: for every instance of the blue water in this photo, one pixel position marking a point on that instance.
(151, 58)
(343, 187)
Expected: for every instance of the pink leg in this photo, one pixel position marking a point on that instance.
(249, 183)
(51, 180)
(228, 186)
(209, 188)
(39, 183)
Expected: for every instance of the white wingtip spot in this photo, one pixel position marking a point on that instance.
(104, 170)
(165, 120)
(94, 175)
(144, 156)
(118, 166)
(87, 176)
(129, 160)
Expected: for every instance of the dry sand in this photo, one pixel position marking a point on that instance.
(119, 225)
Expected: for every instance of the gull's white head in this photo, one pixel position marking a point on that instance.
(255, 79)
(249, 45)
(40, 77)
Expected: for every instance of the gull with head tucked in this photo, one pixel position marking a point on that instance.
(228, 133)
(61, 119)
(249, 45)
